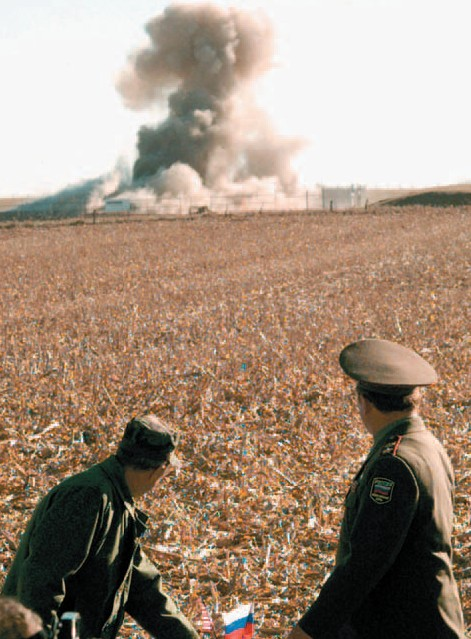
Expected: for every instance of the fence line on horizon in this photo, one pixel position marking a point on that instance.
(79, 204)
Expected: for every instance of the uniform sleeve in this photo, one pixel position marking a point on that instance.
(151, 607)
(59, 544)
(385, 511)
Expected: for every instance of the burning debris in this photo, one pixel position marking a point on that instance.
(201, 63)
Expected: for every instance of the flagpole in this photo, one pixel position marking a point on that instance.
(215, 595)
(213, 629)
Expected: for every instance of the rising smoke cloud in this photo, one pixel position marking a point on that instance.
(202, 64)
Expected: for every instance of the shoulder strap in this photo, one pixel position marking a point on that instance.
(392, 445)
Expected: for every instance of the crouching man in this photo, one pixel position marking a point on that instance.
(81, 549)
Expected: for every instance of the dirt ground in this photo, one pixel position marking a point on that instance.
(230, 328)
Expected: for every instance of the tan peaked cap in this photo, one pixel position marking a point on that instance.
(386, 367)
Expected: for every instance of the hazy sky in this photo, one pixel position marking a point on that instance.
(379, 88)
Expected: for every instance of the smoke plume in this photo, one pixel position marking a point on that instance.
(202, 64)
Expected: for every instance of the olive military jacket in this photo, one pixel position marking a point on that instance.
(80, 553)
(393, 573)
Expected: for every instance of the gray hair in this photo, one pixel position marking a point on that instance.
(17, 621)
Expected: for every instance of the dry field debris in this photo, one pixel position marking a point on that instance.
(231, 329)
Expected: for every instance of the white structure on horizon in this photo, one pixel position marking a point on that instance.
(343, 197)
(114, 205)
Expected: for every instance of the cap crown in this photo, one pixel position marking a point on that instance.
(380, 363)
(147, 439)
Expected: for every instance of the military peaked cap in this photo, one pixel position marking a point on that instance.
(386, 367)
(147, 440)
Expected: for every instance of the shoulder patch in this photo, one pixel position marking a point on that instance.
(381, 490)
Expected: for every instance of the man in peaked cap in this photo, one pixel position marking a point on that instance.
(393, 572)
(81, 549)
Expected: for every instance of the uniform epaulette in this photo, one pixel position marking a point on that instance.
(391, 447)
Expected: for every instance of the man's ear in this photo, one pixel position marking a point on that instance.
(364, 406)
(156, 473)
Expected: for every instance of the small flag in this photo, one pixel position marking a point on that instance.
(239, 622)
(207, 624)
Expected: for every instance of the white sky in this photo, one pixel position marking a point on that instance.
(380, 88)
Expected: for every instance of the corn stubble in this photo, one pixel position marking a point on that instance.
(230, 328)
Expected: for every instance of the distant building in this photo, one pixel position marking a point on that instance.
(118, 206)
(343, 197)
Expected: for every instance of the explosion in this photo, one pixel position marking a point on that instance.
(202, 64)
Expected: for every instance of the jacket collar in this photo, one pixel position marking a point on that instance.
(115, 471)
(399, 427)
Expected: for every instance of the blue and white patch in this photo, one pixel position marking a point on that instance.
(381, 490)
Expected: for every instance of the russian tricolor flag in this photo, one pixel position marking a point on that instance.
(239, 622)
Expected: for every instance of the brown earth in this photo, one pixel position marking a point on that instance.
(8, 203)
(231, 328)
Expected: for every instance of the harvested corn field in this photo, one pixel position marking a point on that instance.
(231, 329)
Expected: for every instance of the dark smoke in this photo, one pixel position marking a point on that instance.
(202, 63)
(73, 200)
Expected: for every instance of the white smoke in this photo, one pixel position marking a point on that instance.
(108, 185)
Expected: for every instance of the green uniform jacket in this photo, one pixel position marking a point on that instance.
(393, 573)
(80, 553)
